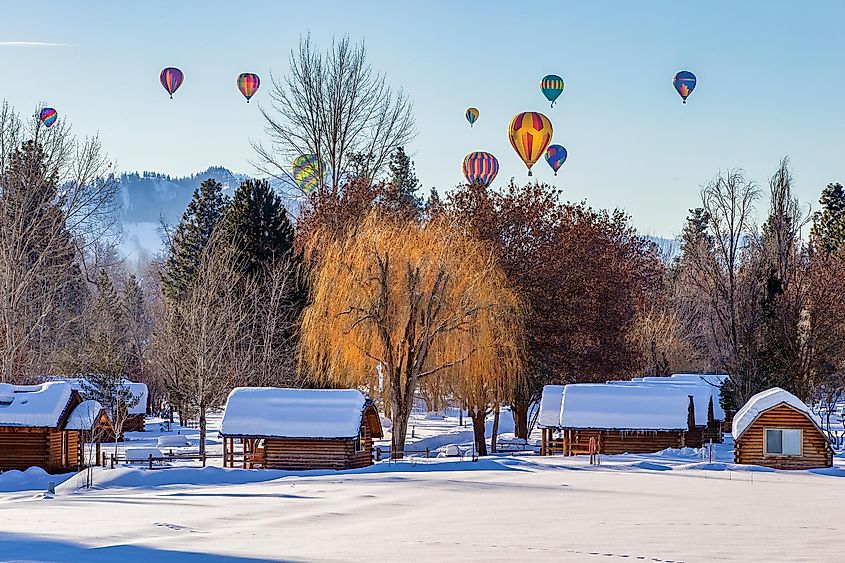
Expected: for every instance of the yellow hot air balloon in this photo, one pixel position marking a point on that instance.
(530, 134)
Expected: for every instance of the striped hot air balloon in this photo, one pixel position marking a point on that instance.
(555, 156)
(480, 168)
(248, 84)
(306, 172)
(171, 78)
(684, 83)
(472, 115)
(552, 86)
(530, 133)
(48, 116)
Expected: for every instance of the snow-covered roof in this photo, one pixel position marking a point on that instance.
(38, 406)
(764, 401)
(701, 396)
(713, 383)
(549, 416)
(716, 379)
(620, 407)
(293, 413)
(84, 416)
(138, 390)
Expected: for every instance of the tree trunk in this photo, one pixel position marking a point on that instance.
(519, 409)
(494, 434)
(202, 430)
(478, 431)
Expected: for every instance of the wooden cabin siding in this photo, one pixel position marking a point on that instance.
(316, 454)
(22, 448)
(611, 442)
(134, 423)
(815, 450)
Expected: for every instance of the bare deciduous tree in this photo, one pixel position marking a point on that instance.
(335, 106)
(57, 196)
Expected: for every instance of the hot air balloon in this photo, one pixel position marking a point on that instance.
(552, 86)
(684, 83)
(472, 115)
(555, 156)
(248, 84)
(530, 134)
(48, 116)
(480, 168)
(306, 172)
(171, 78)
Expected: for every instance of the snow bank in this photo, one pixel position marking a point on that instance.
(549, 416)
(33, 405)
(172, 441)
(129, 477)
(618, 407)
(293, 413)
(84, 416)
(33, 479)
(763, 401)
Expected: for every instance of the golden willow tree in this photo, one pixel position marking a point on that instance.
(412, 301)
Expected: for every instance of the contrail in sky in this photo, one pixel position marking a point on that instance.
(31, 44)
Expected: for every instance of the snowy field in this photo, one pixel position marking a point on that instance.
(671, 506)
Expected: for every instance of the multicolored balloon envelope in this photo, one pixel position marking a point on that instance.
(248, 84)
(306, 172)
(48, 116)
(530, 133)
(472, 116)
(552, 86)
(171, 78)
(480, 168)
(555, 156)
(684, 83)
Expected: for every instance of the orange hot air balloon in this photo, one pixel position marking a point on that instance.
(530, 133)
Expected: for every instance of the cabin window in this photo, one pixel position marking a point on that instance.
(782, 441)
(359, 441)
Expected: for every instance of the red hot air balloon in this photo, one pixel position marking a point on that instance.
(480, 168)
(248, 84)
(171, 78)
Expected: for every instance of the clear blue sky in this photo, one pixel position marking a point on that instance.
(771, 83)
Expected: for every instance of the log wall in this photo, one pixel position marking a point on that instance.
(611, 442)
(53, 450)
(816, 452)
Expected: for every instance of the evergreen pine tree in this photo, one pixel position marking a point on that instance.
(403, 179)
(828, 230)
(191, 237)
(137, 324)
(257, 224)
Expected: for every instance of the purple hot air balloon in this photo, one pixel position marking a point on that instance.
(171, 78)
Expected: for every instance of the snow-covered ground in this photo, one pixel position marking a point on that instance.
(670, 506)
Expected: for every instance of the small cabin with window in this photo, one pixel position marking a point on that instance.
(278, 428)
(44, 426)
(776, 429)
(617, 419)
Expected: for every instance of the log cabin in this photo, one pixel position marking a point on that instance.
(43, 426)
(548, 419)
(296, 429)
(620, 419)
(776, 429)
(137, 412)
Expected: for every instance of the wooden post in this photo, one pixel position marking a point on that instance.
(151, 461)
(224, 451)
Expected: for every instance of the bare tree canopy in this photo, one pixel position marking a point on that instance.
(57, 201)
(335, 106)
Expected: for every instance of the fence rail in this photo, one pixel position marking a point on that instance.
(151, 459)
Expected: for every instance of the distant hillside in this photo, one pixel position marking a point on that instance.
(150, 196)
